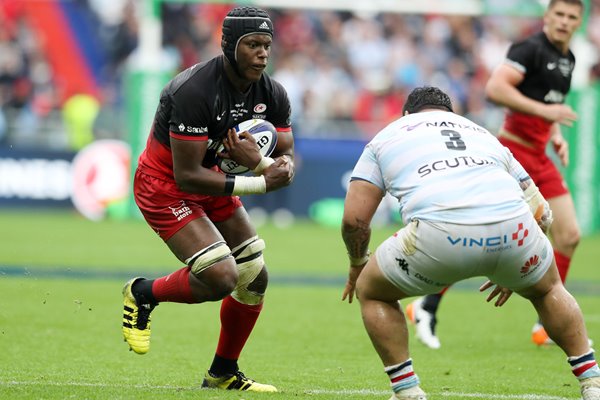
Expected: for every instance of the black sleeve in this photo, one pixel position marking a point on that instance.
(281, 117)
(189, 114)
(521, 55)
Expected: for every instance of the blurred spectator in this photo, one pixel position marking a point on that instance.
(79, 115)
(346, 72)
(595, 72)
(378, 103)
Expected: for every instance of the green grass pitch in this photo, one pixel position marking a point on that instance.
(60, 317)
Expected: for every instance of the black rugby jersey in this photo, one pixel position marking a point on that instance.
(547, 78)
(547, 71)
(201, 104)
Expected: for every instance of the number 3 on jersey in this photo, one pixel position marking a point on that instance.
(455, 142)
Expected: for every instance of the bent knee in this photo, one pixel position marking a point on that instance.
(365, 288)
(225, 283)
(260, 283)
(218, 281)
(567, 240)
(253, 279)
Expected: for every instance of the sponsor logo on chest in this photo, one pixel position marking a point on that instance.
(192, 129)
(564, 65)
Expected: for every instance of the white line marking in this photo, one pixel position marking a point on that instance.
(366, 392)
(353, 392)
(505, 396)
(348, 392)
(91, 384)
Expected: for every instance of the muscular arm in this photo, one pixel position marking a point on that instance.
(360, 205)
(192, 177)
(189, 173)
(285, 144)
(501, 88)
(285, 147)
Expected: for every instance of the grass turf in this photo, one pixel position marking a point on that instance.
(60, 336)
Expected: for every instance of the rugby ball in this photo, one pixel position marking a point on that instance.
(266, 137)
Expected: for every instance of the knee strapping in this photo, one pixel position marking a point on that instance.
(208, 257)
(250, 262)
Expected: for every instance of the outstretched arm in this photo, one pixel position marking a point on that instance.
(501, 88)
(360, 205)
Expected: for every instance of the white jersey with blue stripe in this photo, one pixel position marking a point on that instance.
(443, 167)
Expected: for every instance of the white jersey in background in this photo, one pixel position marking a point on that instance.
(443, 167)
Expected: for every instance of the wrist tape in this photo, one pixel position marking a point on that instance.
(241, 185)
(262, 165)
(359, 261)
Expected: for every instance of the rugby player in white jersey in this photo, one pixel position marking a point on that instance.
(469, 209)
(532, 83)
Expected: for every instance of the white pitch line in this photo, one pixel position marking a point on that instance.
(99, 385)
(348, 392)
(486, 396)
(359, 392)
(504, 396)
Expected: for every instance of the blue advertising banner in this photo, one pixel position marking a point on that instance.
(94, 180)
(35, 178)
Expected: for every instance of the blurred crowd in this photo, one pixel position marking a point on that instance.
(347, 73)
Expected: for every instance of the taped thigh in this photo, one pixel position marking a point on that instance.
(208, 257)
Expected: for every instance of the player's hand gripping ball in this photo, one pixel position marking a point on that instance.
(265, 135)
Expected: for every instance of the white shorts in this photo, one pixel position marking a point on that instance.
(424, 257)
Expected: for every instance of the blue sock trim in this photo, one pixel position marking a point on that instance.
(590, 373)
(589, 356)
(402, 376)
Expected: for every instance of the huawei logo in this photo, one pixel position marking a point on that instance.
(532, 262)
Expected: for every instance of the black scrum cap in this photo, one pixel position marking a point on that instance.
(239, 23)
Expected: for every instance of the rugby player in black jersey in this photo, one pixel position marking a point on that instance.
(533, 84)
(195, 208)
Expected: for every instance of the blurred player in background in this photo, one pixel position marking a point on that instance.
(195, 208)
(493, 226)
(533, 84)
